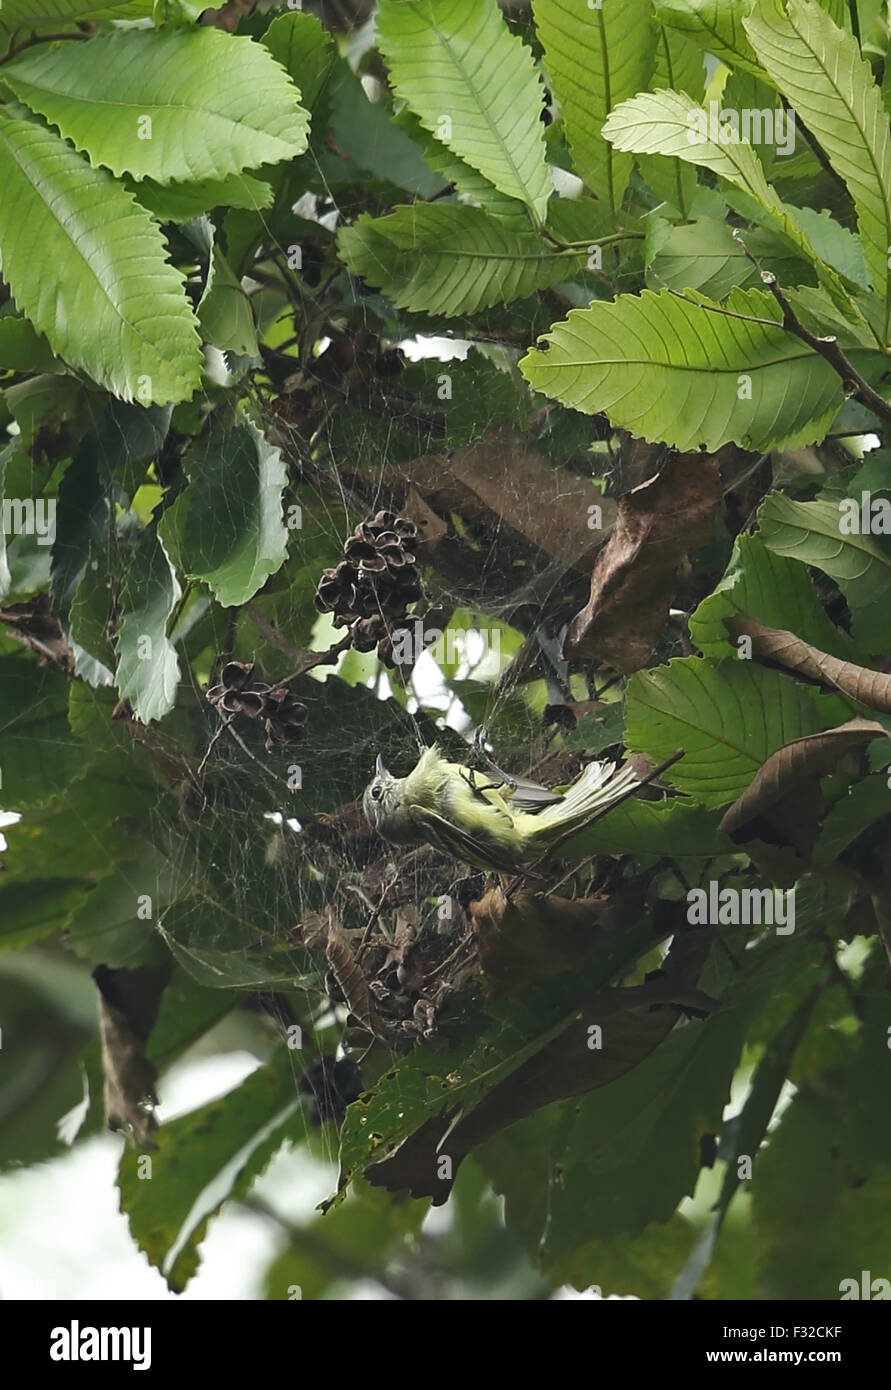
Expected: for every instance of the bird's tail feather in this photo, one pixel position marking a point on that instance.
(598, 787)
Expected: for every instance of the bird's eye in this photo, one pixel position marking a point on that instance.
(377, 792)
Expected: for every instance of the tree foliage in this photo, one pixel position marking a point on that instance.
(655, 478)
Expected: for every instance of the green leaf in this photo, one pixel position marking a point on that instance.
(456, 59)
(773, 590)
(866, 802)
(37, 908)
(305, 50)
(833, 243)
(705, 255)
(818, 67)
(227, 527)
(112, 306)
(186, 1013)
(5, 575)
(80, 831)
(147, 670)
(204, 1158)
(361, 1237)
(114, 925)
(40, 754)
(676, 828)
(176, 12)
(365, 131)
(670, 123)
(22, 348)
(467, 180)
(748, 1131)
(681, 68)
(860, 565)
(837, 1130)
(179, 202)
(683, 371)
(82, 514)
(88, 616)
(595, 58)
(40, 13)
(450, 259)
(225, 311)
(728, 718)
(715, 25)
(600, 1175)
(166, 103)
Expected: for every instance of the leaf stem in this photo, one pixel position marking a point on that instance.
(557, 240)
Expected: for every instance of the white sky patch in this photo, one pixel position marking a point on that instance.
(445, 349)
(278, 819)
(7, 818)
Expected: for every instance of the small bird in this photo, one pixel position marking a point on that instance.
(508, 825)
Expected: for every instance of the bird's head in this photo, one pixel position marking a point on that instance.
(380, 801)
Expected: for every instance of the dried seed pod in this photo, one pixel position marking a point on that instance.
(284, 717)
(370, 589)
(236, 674)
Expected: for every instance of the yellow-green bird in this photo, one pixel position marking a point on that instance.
(506, 825)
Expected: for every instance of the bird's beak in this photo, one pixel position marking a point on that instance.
(379, 769)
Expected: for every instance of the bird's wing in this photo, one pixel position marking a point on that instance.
(529, 796)
(478, 849)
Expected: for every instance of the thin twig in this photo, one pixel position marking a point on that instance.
(233, 733)
(224, 724)
(316, 659)
(826, 347)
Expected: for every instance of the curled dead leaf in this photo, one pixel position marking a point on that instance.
(530, 935)
(801, 760)
(633, 579)
(777, 647)
(128, 1006)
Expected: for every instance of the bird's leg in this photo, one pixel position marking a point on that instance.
(470, 778)
(480, 752)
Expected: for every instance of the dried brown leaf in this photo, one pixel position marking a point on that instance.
(32, 623)
(128, 1006)
(353, 984)
(633, 579)
(802, 760)
(778, 647)
(501, 480)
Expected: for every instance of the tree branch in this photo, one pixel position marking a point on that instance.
(828, 348)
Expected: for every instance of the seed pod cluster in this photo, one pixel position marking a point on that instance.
(283, 717)
(371, 588)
